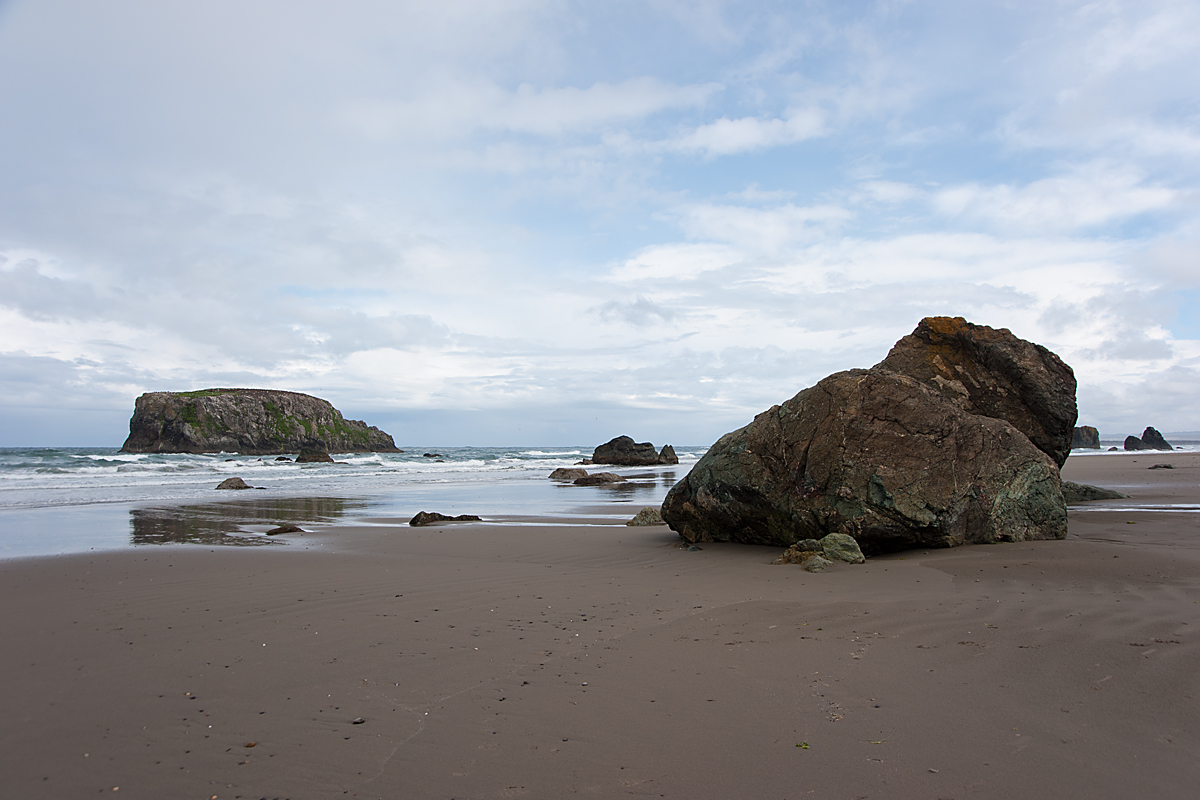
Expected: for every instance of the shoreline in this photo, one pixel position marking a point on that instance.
(545, 660)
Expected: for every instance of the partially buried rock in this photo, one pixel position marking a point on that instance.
(1154, 440)
(841, 547)
(1163, 466)
(567, 474)
(882, 457)
(430, 517)
(233, 483)
(991, 372)
(285, 528)
(647, 516)
(1082, 493)
(816, 563)
(282, 458)
(599, 478)
(800, 552)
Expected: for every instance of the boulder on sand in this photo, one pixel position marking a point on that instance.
(991, 372)
(800, 552)
(567, 474)
(1082, 493)
(430, 517)
(890, 460)
(647, 516)
(841, 547)
(599, 478)
(624, 452)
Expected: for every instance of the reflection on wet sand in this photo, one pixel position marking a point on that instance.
(227, 523)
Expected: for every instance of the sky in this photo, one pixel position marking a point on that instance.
(551, 222)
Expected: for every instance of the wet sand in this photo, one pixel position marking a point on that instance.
(603, 661)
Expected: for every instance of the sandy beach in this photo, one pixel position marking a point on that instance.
(477, 661)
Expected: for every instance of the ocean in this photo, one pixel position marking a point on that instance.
(71, 500)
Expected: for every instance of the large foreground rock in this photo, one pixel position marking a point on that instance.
(624, 452)
(991, 372)
(250, 421)
(890, 460)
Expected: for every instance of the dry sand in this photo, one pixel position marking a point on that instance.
(604, 661)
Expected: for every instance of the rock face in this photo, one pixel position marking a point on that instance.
(1154, 440)
(993, 373)
(249, 421)
(624, 452)
(892, 460)
(1085, 438)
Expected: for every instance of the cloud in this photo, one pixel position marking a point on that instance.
(685, 210)
(762, 230)
(727, 136)
(1088, 196)
(456, 108)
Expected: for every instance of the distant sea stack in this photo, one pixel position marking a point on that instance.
(256, 422)
(1151, 440)
(624, 452)
(1085, 438)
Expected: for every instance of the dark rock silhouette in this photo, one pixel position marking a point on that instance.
(431, 517)
(1154, 440)
(1085, 438)
(624, 452)
(249, 421)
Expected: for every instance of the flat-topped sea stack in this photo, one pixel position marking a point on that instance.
(942, 456)
(248, 421)
(1085, 438)
(624, 452)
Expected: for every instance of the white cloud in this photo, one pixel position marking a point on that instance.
(726, 136)
(762, 230)
(674, 262)
(1091, 195)
(453, 107)
(464, 206)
